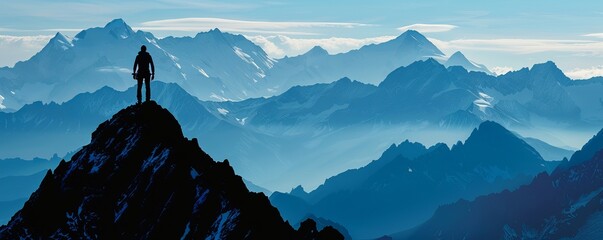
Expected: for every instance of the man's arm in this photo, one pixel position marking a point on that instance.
(152, 67)
(135, 64)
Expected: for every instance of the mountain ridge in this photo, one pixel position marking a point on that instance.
(410, 181)
(565, 204)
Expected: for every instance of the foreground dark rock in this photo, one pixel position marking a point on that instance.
(140, 178)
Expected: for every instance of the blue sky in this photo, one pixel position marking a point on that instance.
(501, 34)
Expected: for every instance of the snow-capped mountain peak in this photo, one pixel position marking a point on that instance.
(60, 41)
(412, 39)
(119, 28)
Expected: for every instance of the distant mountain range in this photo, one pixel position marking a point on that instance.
(140, 178)
(211, 65)
(271, 138)
(426, 91)
(409, 182)
(565, 204)
(339, 125)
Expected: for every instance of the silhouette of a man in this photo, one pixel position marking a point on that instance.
(143, 60)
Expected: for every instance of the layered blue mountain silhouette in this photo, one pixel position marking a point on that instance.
(563, 205)
(423, 96)
(140, 178)
(212, 65)
(292, 124)
(274, 140)
(409, 182)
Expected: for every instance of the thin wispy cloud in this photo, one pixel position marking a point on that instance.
(243, 26)
(279, 46)
(428, 28)
(114, 69)
(597, 35)
(523, 46)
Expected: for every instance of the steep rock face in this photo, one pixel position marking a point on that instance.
(139, 178)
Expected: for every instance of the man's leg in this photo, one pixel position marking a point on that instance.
(139, 90)
(147, 83)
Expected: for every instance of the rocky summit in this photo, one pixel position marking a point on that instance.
(140, 178)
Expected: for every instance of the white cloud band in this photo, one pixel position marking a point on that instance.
(523, 46)
(585, 73)
(428, 28)
(597, 35)
(279, 46)
(231, 25)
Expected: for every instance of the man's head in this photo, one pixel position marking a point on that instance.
(143, 48)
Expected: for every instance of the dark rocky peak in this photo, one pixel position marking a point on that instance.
(140, 178)
(493, 143)
(490, 130)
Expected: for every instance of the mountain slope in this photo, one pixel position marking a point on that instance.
(139, 178)
(565, 204)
